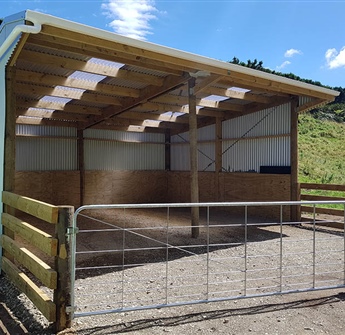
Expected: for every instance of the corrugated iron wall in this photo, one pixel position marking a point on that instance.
(249, 142)
(41, 148)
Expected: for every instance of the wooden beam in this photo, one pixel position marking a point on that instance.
(53, 80)
(147, 93)
(10, 129)
(151, 116)
(295, 191)
(61, 92)
(324, 187)
(204, 83)
(60, 106)
(132, 128)
(235, 94)
(52, 115)
(36, 266)
(79, 48)
(218, 155)
(81, 165)
(183, 100)
(167, 151)
(39, 209)
(90, 67)
(193, 144)
(43, 122)
(63, 293)
(37, 237)
(31, 290)
(18, 49)
(122, 121)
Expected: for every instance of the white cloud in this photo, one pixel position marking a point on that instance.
(284, 64)
(291, 52)
(335, 59)
(131, 17)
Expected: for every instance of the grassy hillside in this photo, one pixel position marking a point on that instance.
(321, 150)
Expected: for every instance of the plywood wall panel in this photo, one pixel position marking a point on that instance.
(55, 187)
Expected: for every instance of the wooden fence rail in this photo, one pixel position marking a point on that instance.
(312, 197)
(56, 277)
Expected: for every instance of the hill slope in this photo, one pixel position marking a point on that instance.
(321, 150)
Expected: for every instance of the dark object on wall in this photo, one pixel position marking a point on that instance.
(275, 169)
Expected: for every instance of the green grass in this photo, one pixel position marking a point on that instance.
(321, 154)
(321, 151)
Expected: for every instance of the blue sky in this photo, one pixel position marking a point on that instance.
(306, 38)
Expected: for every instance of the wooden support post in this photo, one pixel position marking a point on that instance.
(167, 150)
(218, 155)
(62, 295)
(295, 190)
(81, 164)
(10, 145)
(193, 143)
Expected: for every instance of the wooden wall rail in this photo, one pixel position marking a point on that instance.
(39, 209)
(313, 197)
(56, 278)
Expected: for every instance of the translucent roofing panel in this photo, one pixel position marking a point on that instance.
(71, 89)
(214, 97)
(80, 75)
(238, 89)
(55, 99)
(106, 63)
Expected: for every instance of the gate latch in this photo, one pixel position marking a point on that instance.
(72, 231)
(71, 309)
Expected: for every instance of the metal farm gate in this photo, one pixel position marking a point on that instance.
(132, 257)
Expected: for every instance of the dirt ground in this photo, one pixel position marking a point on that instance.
(314, 312)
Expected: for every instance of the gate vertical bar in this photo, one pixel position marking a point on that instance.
(123, 261)
(281, 248)
(344, 242)
(63, 292)
(245, 247)
(314, 245)
(167, 257)
(208, 251)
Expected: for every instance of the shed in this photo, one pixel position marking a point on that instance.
(89, 116)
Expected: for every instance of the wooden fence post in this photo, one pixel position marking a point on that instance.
(62, 295)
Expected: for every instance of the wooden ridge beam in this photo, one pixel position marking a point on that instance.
(54, 80)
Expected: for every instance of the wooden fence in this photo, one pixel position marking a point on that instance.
(15, 256)
(322, 187)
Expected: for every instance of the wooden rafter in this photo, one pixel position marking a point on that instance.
(150, 92)
(53, 80)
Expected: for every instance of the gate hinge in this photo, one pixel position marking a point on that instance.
(71, 309)
(72, 231)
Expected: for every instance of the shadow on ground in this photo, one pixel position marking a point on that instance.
(139, 325)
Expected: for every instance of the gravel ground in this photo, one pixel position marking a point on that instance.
(318, 312)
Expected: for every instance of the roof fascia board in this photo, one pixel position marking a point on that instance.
(107, 35)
